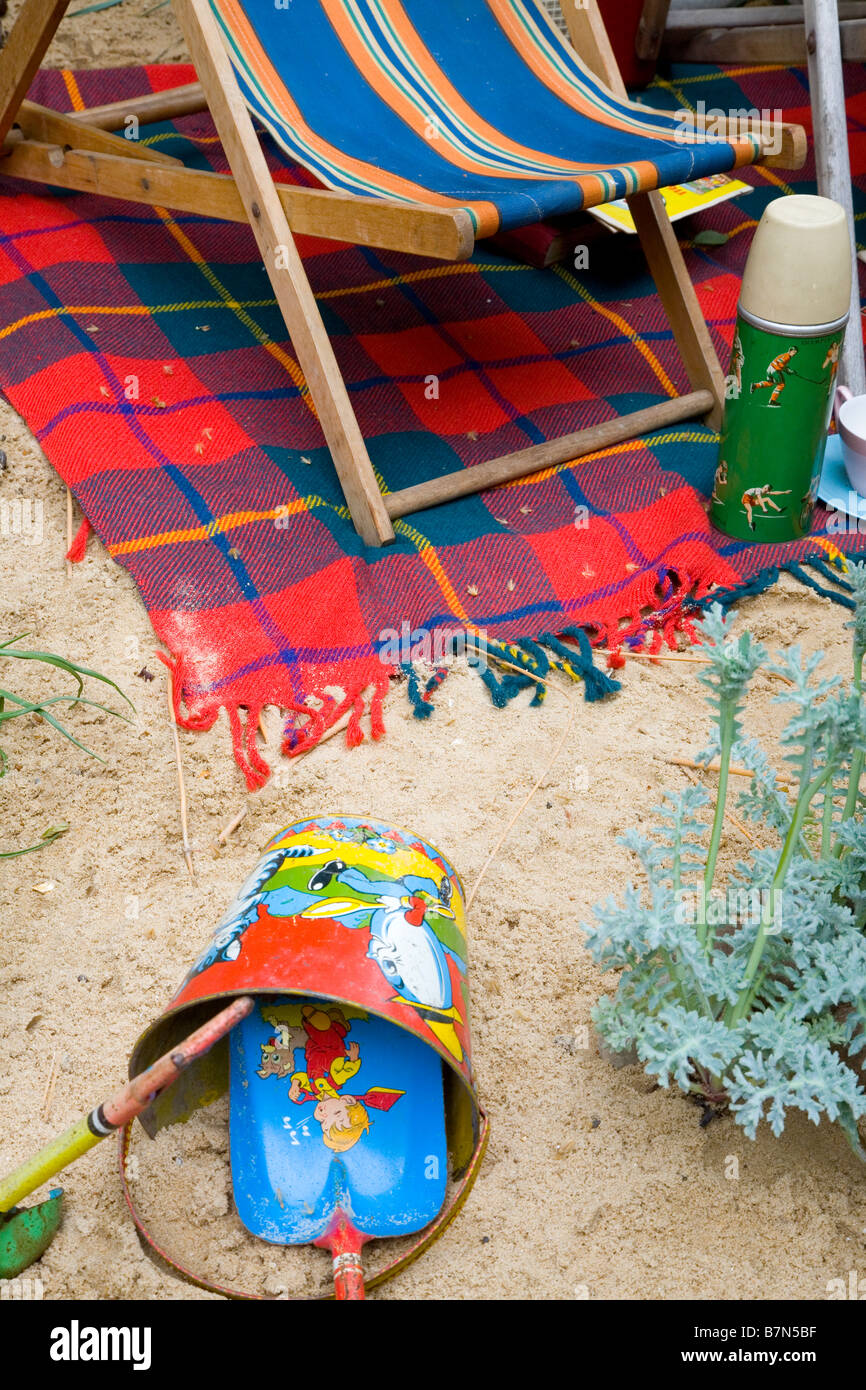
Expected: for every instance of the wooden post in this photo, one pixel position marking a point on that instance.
(832, 158)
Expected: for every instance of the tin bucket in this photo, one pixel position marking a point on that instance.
(350, 913)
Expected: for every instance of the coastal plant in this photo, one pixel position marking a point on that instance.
(15, 706)
(748, 990)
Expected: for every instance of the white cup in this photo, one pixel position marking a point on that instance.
(850, 413)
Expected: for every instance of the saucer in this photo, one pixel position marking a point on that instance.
(834, 489)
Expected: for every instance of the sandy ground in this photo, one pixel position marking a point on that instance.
(595, 1183)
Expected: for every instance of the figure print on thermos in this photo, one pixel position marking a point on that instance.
(779, 392)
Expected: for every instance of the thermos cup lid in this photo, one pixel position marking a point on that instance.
(799, 268)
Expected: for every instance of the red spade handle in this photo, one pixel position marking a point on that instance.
(345, 1243)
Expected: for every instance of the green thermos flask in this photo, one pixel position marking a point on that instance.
(791, 319)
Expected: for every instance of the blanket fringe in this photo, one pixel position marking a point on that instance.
(676, 609)
(539, 657)
(829, 566)
(76, 551)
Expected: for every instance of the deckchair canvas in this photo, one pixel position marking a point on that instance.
(430, 126)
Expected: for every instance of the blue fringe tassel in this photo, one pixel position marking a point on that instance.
(541, 656)
(538, 658)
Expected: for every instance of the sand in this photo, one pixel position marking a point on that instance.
(596, 1184)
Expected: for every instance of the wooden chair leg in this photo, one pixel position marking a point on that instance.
(286, 271)
(23, 52)
(677, 294)
(661, 248)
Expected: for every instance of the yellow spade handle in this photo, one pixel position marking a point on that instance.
(33, 1172)
(128, 1102)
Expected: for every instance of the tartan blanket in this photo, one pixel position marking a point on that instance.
(145, 351)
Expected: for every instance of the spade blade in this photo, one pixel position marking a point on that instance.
(26, 1233)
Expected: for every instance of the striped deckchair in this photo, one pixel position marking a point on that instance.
(430, 123)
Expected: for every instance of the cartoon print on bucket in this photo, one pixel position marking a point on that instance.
(331, 1061)
(369, 878)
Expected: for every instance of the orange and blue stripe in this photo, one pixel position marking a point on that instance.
(481, 104)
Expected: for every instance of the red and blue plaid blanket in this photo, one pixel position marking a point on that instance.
(146, 353)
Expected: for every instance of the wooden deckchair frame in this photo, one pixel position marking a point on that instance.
(77, 151)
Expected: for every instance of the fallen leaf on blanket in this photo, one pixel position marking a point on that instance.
(709, 237)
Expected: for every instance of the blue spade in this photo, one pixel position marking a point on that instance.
(337, 1130)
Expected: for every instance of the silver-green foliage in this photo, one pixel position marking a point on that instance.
(752, 994)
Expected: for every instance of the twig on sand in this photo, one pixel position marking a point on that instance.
(49, 1087)
(341, 724)
(662, 656)
(693, 660)
(714, 767)
(231, 826)
(68, 531)
(229, 829)
(181, 786)
(733, 820)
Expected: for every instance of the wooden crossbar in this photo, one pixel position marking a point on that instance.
(443, 233)
(567, 449)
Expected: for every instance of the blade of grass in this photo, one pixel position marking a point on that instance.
(37, 708)
(91, 9)
(46, 838)
(72, 667)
